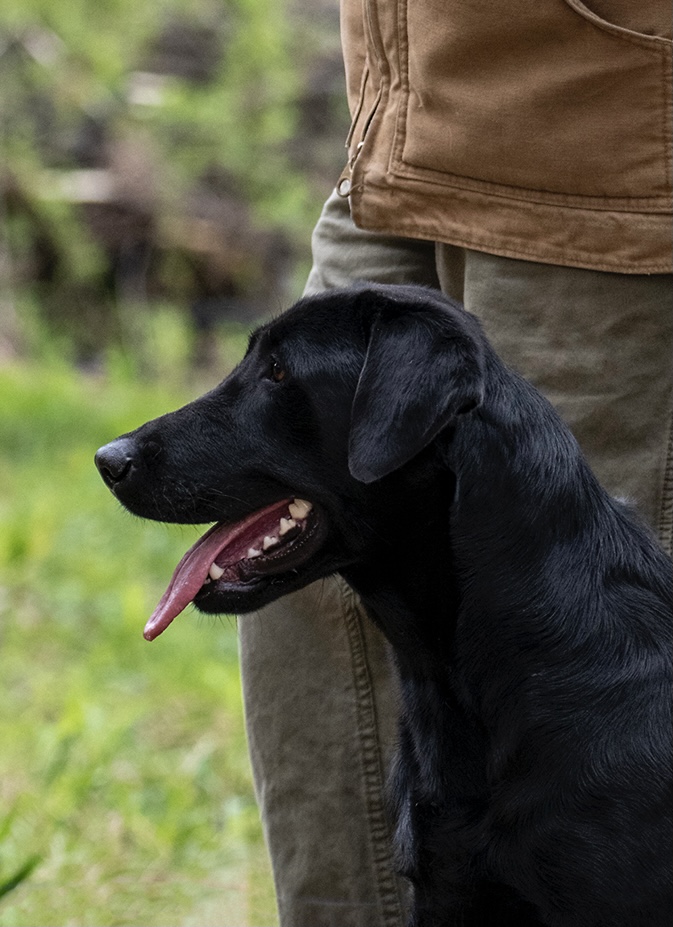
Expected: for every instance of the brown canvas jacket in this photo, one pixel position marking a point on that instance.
(534, 129)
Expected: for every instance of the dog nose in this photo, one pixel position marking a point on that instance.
(114, 461)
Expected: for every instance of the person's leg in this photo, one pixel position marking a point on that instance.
(600, 347)
(344, 254)
(320, 694)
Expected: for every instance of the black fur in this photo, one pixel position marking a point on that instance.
(531, 614)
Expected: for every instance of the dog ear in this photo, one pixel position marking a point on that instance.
(423, 369)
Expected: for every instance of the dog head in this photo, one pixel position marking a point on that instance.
(289, 456)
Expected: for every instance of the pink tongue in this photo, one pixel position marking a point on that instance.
(190, 574)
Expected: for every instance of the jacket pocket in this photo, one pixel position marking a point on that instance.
(553, 101)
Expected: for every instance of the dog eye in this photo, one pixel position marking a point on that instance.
(276, 372)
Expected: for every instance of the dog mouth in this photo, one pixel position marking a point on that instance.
(235, 557)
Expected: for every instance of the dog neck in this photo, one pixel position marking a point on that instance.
(519, 472)
(407, 578)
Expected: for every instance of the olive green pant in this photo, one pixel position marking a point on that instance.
(320, 697)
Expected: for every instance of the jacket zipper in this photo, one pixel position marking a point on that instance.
(375, 49)
(344, 184)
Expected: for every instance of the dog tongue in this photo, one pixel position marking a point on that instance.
(190, 574)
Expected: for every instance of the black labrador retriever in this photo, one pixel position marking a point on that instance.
(375, 433)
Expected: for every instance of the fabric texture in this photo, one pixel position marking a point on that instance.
(546, 137)
(320, 692)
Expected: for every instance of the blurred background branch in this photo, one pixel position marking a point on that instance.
(162, 152)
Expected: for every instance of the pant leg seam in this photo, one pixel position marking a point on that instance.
(666, 520)
(373, 775)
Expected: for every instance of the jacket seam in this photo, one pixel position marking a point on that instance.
(401, 116)
(661, 203)
(608, 205)
(642, 40)
(667, 117)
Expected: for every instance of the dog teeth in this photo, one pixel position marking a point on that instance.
(300, 508)
(286, 524)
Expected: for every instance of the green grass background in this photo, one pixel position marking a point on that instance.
(123, 767)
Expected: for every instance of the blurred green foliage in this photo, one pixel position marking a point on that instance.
(178, 150)
(125, 788)
(125, 791)
(240, 117)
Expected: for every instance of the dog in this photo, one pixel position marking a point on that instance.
(374, 432)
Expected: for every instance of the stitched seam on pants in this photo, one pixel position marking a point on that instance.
(372, 772)
(666, 521)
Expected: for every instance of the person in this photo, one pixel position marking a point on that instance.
(520, 160)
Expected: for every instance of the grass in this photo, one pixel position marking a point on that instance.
(125, 788)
